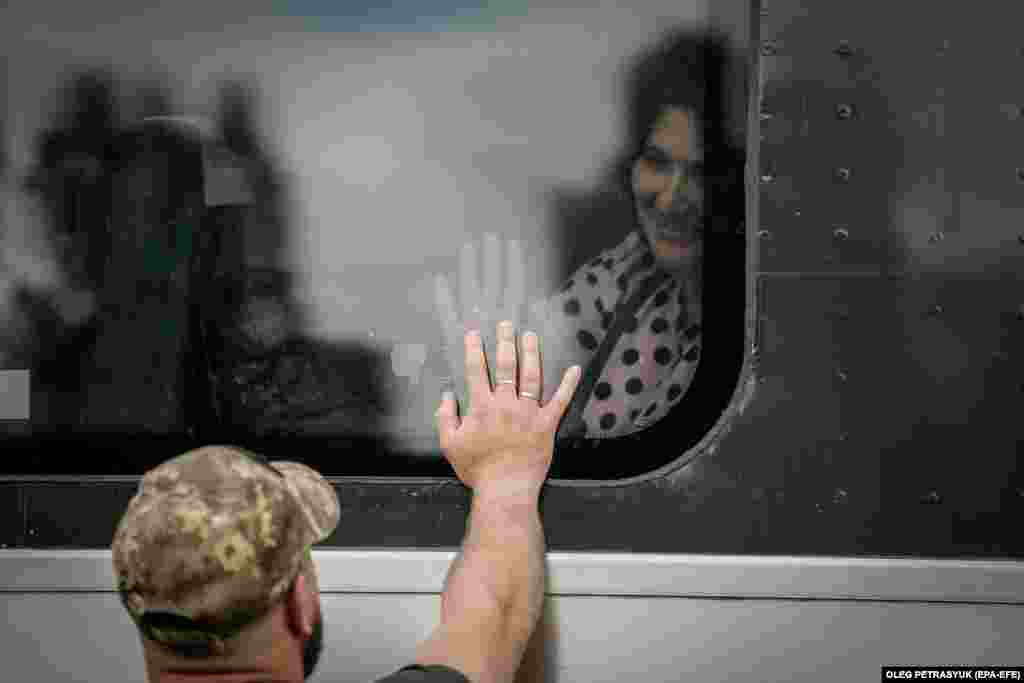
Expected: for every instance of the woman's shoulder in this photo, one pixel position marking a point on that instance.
(617, 257)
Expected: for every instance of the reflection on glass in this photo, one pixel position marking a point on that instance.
(151, 281)
(631, 316)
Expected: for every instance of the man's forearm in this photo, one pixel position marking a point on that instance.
(501, 565)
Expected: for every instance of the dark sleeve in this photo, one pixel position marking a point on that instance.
(417, 673)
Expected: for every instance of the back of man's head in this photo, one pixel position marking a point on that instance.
(212, 558)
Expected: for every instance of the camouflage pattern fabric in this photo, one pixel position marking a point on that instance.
(213, 539)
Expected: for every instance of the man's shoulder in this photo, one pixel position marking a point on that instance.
(418, 673)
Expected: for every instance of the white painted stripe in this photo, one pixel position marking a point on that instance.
(605, 574)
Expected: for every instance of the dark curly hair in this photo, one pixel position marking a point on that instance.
(685, 69)
(688, 69)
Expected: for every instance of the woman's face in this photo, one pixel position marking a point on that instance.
(668, 190)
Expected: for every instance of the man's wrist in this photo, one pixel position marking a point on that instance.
(504, 511)
(507, 495)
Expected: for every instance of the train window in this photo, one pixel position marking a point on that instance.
(279, 245)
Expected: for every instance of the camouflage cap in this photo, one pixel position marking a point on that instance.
(213, 538)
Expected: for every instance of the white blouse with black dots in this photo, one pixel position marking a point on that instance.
(651, 366)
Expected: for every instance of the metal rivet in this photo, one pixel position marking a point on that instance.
(764, 234)
(841, 375)
(798, 213)
(839, 497)
(844, 50)
(766, 115)
(843, 174)
(767, 177)
(770, 49)
(841, 233)
(844, 111)
(936, 237)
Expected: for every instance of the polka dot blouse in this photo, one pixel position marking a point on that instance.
(653, 361)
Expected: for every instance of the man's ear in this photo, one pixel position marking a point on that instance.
(301, 607)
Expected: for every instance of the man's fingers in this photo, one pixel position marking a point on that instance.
(515, 280)
(558, 404)
(505, 374)
(529, 366)
(477, 378)
(552, 338)
(447, 420)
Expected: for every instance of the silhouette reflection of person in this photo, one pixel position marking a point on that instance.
(269, 376)
(632, 315)
(54, 247)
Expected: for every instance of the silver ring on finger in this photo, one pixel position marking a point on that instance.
(506, 381)
(527, 394)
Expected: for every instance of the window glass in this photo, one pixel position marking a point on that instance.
(275, 233)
